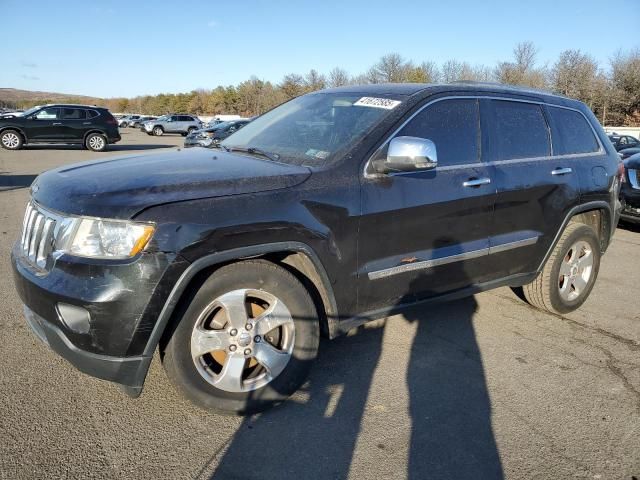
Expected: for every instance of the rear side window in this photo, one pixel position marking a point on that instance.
(92, 114)
(572, 133)
(454, 126)
(519, 130)
(73, 114)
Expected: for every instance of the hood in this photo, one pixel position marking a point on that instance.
(123, 186)
(633, 162)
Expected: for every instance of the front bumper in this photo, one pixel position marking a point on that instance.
(630, 199)
(122, 300)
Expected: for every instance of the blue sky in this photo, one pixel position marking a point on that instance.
(124, 48)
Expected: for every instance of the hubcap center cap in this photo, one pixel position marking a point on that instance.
(244, 339)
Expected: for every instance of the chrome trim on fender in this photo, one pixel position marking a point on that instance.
(436, 262)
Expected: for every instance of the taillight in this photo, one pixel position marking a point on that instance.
(112, 121)
(622, 173)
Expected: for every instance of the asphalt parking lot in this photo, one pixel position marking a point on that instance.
(485, 387)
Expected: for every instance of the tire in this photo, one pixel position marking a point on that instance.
(11, 140)
(124, 125)
(205, 378)
(96, 142)
(184, 134)
(569, 273)
(158, 131)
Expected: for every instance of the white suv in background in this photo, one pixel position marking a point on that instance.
(175, 123)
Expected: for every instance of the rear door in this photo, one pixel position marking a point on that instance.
(535, 190)
(45, 125)
(74, 123)
(426, 232)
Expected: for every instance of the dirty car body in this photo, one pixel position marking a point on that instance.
(368, 243)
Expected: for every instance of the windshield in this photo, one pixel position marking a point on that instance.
(28, 112)
(313, 129)
(218, 126)
(163, 117)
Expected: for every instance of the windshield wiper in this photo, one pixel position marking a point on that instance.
(253, 151)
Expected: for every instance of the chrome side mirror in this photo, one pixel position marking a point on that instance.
(408, 154)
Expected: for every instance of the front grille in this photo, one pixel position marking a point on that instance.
(634, 178)
(37, 235)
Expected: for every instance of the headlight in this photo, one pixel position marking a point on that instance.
(100, 238)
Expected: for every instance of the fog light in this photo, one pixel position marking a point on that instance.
(74, 317)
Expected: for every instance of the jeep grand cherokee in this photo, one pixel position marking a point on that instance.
(332, 209)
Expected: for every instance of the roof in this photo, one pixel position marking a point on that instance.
(72, 105)
(408, 89)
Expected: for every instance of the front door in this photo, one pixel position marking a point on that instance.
(45, 125)
(425, 233)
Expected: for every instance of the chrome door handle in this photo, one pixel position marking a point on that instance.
(86, 123)
(476, 182)
(58, 123)
(561, 171)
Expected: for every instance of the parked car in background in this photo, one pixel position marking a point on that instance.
(627, 152)
(212, 135)
(174, 123)
(221, 119)
(624, 141)
(128, 120)
(137, 123)
(630, 192)
(333, 209)
(87, 125)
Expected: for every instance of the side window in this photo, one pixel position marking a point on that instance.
(519, 130)
(92, 114)
(175, 118)
(73, 114)
(47, 114)
(454, 126)
(571, 132)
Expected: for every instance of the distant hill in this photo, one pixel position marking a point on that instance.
(14, 96)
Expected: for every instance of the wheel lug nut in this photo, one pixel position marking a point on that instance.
(232, 348)
(248, 326)
(257, 339)
(247, 351)
(233, 332)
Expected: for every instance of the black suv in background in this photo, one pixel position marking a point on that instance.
(210, 136)
(621, 142)
(335, 208)
(92, 127)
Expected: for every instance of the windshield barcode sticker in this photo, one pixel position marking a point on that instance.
(374, 102)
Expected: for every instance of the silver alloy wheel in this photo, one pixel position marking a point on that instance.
(158, 131)
(236, 352)
(10, 140)
(96, 142)
(575, 270)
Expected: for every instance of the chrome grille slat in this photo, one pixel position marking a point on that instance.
(38, 234)
(35, 236)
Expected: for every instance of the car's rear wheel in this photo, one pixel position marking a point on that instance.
(96, 142)
(245, 341)
(158, 131)
(569, 274)
(11, 140)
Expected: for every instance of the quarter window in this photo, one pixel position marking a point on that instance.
(453, 125)
(519, 130)
(572, 133)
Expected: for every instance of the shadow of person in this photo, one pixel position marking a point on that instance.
(314, 433)
(450, 408)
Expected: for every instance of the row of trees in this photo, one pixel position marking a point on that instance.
(611, 91)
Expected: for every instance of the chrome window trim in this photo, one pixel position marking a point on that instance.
(600, 150)
(436, 262)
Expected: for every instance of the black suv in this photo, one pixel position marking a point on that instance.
(621, 142)
(93, 127)
(333, 209)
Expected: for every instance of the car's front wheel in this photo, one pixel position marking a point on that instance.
(96, 142)
(11, 140)
(245, 341)
(569, 273)
(158, 131)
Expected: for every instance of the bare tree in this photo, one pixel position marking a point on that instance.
(314, 81)
(390, 68)
(426, 72)
(292, 85)
(338, 77)
(522, 70)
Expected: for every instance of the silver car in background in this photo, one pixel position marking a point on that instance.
(174, 123)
